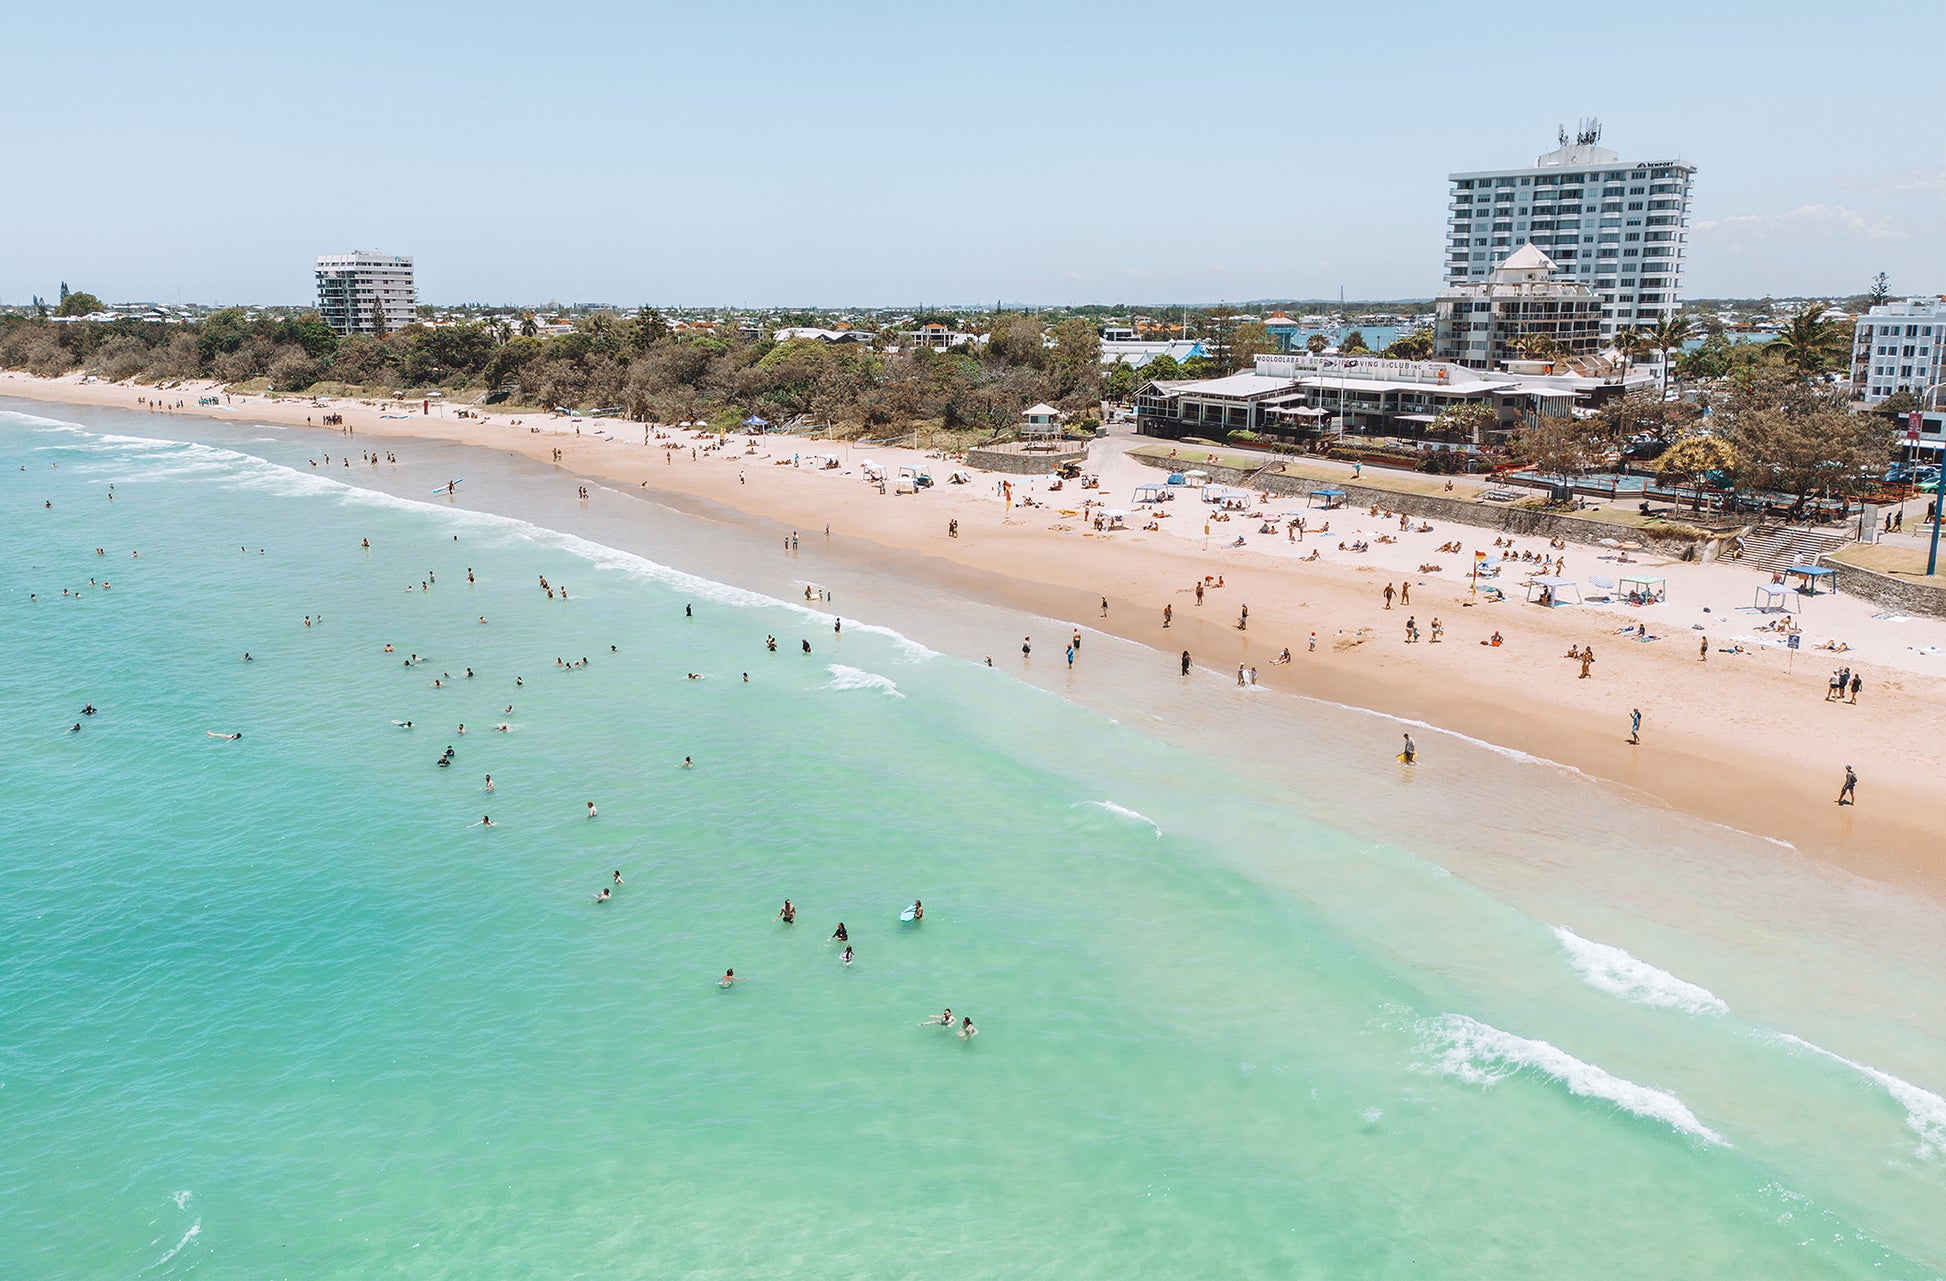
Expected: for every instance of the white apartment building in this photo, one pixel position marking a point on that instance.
(1618, 228)
(356, 289)
(1480, 323)
(1900, 346)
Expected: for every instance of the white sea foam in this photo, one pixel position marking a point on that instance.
(260, 475)
(1478, 1054)
(1609, 969)
(843, 677)
(1925, 1112)
(1122, 811)
(195, 1230)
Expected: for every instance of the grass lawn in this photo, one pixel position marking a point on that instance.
(1908, 562)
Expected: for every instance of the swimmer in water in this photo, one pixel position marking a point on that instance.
(489, 783)
(231, 737)
(942, 1019)
(846, 958)
(807, 646)
(918, 910)
(618, 876)
(729, 977)
(75, 728)
(686, 764)
(604, 896)
(485, 821)
(591, 809)
(839, 933)
(787, 913)
(966, 1029)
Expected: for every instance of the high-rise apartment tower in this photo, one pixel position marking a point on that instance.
(1618, 228)
(366, 292)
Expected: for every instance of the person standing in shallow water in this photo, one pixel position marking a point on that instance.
(1848, 794)
(1185, 662)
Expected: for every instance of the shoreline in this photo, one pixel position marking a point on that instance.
(1724, 740)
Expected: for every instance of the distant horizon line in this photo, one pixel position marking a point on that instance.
(1247, 303)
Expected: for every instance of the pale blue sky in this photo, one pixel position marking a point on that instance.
(841, 154)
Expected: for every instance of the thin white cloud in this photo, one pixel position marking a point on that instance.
(1805, 220)
(1926, 183)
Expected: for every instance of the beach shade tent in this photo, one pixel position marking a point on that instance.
(1224, 494)
(1114, 516)
(1812, 578)
(754, 421)
(1775, 596)
(1327, 498)
(1601, 584)
(1646, 589)
(1554, 587)
(1196, 475)
(1151, 493)
(1176, 478)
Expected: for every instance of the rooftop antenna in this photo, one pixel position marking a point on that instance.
(1589, 134)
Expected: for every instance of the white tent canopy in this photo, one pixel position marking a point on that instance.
(1554, 588)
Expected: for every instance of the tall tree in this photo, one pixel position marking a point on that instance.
(378, 318)
(1880, 291)
(1807, 342)
(1666, 337)
(1316, 344)
(1561, 447)
(1353, 343)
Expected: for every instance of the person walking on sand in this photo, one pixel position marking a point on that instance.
(1104, 607)
(1703, 651)
(1847, 795)
(1405, 593)
(1389, 593)
(1587, 660)
(1199, 593)
(1027, 647)
(1635, 725)
(1168, 612)
(1243, 618)
(1856, 682)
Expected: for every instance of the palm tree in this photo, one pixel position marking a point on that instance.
(1533, 346)
(1629, 343)
(1316, 344)
(1806, 340)
(1416, 345)
(528, 326)
(1667, 336)
(502, 331)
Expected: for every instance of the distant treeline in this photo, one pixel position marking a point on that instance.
(633, 362)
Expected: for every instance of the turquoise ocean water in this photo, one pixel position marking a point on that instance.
(1253, 1001)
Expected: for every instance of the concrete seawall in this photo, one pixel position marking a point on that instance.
(1682, 545)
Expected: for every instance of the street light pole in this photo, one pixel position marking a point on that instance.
(1938, 491)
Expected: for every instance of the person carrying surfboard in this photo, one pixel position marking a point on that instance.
(1411, 752)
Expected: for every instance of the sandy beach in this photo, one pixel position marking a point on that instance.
(1746, 738)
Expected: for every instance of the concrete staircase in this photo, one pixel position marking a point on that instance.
(1775, 547)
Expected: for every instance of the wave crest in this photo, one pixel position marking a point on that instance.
(1609, 969)
(1122, 811)
(1478, 1054)
(843, 677)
